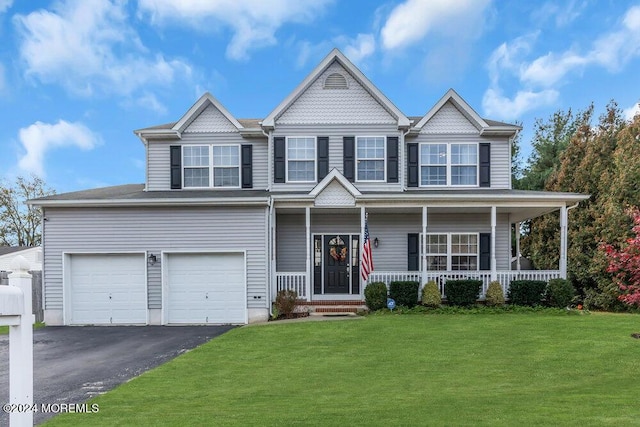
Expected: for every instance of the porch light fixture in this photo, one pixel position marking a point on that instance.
(152, 259)
(376, 242)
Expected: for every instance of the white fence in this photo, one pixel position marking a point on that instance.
(297, 281)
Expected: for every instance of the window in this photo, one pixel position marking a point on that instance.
(301, 159)
(370, 158)
(196, 166)
(201, 168)
(448, 164)
(452, 252)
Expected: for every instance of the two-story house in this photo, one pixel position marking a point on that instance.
(234, 210)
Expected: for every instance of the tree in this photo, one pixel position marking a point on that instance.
(19, 222)
(624, 264)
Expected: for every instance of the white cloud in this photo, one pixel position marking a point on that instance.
(508, 56)
(88, 47)
(548, 70)
(411, 21)
(40, 137)
(362, 47)
(2, 78)
(253, 22)
(631, 112)
(563, 13)
(4, 5)
(496, 105)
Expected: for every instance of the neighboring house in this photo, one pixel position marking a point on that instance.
(33, 254)
(234, 210)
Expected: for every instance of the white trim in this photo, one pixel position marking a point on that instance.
(286, 159)
(165, 275)
(449, 254)
(448, 165)
(461, 104)
(384, 158)
(67, 285)
(328, 296)
(200, 105)
(334, 174)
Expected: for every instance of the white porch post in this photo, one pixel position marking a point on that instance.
(518, 246)
(563, 241)
(424, 246)
(307, 282)
(494, 273)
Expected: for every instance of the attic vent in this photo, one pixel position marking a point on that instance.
(335, 81)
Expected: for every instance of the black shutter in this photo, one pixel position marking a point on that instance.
(323, 157)
(392, 159)
(279, 159)
(349, 156)
(485, 164)
(413, 251)
(176, 166)
(485, 251)
(247, 166)
(412, 165)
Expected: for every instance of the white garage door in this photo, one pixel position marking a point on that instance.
(107, 289)
(206, 288)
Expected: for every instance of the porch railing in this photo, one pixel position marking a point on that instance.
(293, 282)
(441, 277)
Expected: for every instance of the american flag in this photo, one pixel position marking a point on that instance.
(366, 265)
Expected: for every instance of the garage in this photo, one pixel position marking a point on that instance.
(106, 289)
(205, 288)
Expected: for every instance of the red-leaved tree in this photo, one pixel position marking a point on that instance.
(624, 264)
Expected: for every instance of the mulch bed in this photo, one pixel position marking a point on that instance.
(291, 316)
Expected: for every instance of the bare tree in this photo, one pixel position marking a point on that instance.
(19, 222)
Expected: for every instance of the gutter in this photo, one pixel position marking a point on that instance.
(254, 201)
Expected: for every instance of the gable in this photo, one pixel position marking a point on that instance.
(336, 104)
(210, 120)
(335, 194)
(448, 119)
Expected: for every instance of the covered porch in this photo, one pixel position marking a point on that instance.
(463, 240)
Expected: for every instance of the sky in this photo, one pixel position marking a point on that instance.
(77, 77)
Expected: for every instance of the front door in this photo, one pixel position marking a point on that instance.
(336, 264)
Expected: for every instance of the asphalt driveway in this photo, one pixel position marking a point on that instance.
(73, 364)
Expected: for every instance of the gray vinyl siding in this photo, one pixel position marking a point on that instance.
(391, 231)
(156, 230)
(159, 173)
(500, 161)
(335, 134)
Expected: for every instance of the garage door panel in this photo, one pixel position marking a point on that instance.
(206, 288)
(107, 289)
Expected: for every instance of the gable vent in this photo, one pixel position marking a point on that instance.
(335, 81)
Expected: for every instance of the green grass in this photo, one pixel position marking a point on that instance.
(510, 369)
(4, 330)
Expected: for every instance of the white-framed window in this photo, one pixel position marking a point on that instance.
(452, 251)
(449, 164)
(370, 158)
(206, 166)
(301, 159)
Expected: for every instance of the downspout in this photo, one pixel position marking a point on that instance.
(270, 268)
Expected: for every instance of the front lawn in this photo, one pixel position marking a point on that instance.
(510, 369)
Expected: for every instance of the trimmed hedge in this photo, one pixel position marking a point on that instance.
(375, 296)
(560, 293)
(404, 293)
(462, 292)
(526, 292)
(431, 295)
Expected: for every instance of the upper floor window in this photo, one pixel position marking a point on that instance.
(448, 164)
(370, 158)
(201, 168)
(301, 159)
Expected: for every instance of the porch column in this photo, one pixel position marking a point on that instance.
(518, 246)
(307, 282)
(494, 273)
(424, 246)
(563, 241)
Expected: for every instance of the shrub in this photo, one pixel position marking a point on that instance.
(431, 295)
(526, 292)
(286, 302)
(462, 292)
(495, 295)
(375, 295)
(560, 293)
(404, 292)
